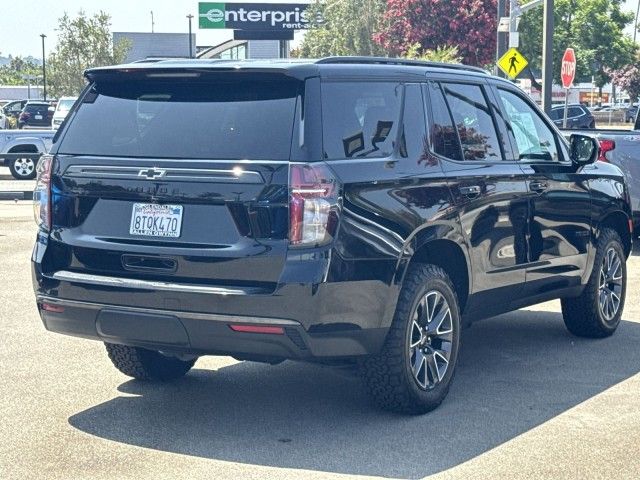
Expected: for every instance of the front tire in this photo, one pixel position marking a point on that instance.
(143, 364)
(414, 370)
(596, 313)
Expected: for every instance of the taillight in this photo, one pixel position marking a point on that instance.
(42, 193)
(606, 145)
(25, 116)
(313, 205)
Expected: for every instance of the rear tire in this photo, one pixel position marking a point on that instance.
(144, 364)
(414, 370)
(23, 168)
(596, 313)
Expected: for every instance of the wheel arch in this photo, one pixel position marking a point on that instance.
(24, 148)
(449, 255)
(620, 222)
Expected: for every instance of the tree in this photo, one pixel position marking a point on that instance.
(628, 79)
(83, 42)
(439, 54)
(593, 28)
(469, 25)
(18, 68)
(347, 29)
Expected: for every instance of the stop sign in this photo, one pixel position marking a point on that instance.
(568, 72)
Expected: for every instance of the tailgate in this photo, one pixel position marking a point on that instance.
(183, 180)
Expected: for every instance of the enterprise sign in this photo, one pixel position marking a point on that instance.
(254, 16)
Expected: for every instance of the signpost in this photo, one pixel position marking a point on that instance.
(512, 63)
(567, 75)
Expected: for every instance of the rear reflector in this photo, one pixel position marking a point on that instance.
(47, 307)
(257, 329)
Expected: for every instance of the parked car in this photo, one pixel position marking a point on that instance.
(62, 109)
(631, 113)
(35, 114)
(21, 150)
(306, 211)
(13, 109)
(622, 149)
(578, 116)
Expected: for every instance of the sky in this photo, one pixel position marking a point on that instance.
(18, 37)
(22, 21)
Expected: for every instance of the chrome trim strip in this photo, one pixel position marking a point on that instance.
(120, 282)
(178, 313)
(185, 174)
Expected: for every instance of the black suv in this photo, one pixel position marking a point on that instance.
(578, 116)
(340, 210)
(36, 115)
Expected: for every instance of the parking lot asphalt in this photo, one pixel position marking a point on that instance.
(529, 401)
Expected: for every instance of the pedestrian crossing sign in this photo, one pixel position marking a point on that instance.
(512, 63)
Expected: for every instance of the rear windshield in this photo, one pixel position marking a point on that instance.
(35, 108)
(185, 119)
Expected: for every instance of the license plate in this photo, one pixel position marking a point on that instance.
(38, 117)
(153, 220)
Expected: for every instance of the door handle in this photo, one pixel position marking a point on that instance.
(470, 191)
(538, 187)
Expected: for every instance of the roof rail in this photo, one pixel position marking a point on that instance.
(397, 61)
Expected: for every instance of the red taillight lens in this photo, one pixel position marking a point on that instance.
(313, 205)
(264, 329)
(24, 116)
(48, 307)
(606, 145)
(42, 193)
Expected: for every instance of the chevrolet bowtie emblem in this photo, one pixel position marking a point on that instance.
(152, 173)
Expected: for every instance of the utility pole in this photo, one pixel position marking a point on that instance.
(44, 69)
(190, 40)
(501, 42)
(635, 25)
(547, 56)
(152, 22)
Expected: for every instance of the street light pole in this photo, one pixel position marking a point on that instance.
(635, 25)
(190, 41)
(44, 69)
(501, 37)
(547, 56)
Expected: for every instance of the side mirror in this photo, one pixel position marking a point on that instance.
(583, 150)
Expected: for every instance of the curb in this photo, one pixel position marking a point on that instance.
(17, 195)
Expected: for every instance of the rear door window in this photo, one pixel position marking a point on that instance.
(444, 137)
(202, 119)
(360, 119)
(474, 121)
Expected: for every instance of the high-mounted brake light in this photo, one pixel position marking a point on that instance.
(42, 193)
(606, 145)
(313, 205)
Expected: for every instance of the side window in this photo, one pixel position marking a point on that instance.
(532, 137)
(360, 119)
(574, 112)
(444, 137)
(474, 122)
(555, 114)
(412, 138)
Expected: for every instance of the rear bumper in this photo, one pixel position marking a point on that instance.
(325, 320)
(201, 334)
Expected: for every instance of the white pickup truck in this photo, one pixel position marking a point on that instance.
(21, 149)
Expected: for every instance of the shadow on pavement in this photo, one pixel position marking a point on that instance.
(516, 371)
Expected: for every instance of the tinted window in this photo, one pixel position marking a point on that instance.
(36, 108)
(65, 105)
(532, 137)
(473, 120)
(186, 119)
(412, 139)
(556, 114)
(360, 119)
(575, 111)
(444, 137)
